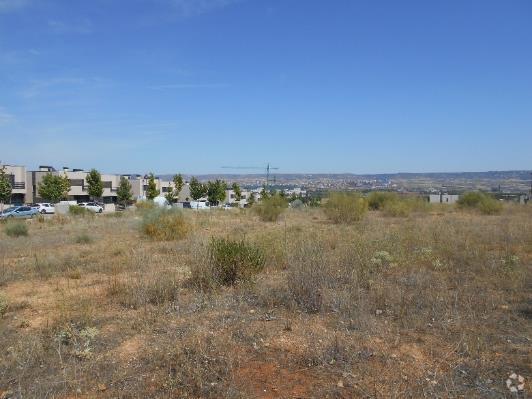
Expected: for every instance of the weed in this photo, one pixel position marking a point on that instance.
(378, 199)
(227, 263)
(165, 224)
(271, 208)
(485, 203)
(3, 306)
(16, 229)
(83, 238)
(76, 210)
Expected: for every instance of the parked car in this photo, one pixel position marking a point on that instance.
(19, 212)
(44, 207)
(199, 205)
(92, 206)
(228, 207)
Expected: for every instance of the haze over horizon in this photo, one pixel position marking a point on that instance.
(329, 87)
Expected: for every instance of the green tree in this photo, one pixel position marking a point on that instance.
(53, 188)
(173, 194)
(123, 192)
(94, 181)
(264, 194)
(216, 191)
(152, 191)
(5, 188)
(178, 184)
(238, 192)
(251, 199)
(197, 189)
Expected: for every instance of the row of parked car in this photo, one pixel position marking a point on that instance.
(29, 211)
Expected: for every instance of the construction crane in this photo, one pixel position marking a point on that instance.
(267, 169)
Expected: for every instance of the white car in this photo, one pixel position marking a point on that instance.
(44, 207)
(92, 206)
(198, 205)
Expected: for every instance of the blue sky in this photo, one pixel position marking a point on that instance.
(310, 86)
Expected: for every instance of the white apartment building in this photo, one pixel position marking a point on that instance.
(17, 176)
(25, 184)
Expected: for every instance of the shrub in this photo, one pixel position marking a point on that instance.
(165, 224)
(345, 207)
(227, 263)
(271, 208)
(378, 199)
(83, 238)
(485, 203)
(396, 208)
(470, 199)
(16, 229)
(76, 210)
(490, 206)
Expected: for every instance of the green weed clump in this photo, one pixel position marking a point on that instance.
(3, 306)
(228, 262)
(16, 229)
(402, 207)
(482, 202)
(345, 207)
(271, 208)
(165, 224)
(83, 238)
(378, 199)
(76, 210)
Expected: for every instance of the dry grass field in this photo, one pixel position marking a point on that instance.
(435, 304)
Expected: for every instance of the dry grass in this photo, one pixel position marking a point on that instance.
(437, 304)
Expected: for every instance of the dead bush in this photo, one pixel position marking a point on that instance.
(306, 276)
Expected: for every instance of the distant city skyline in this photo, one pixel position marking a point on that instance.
(316, 87)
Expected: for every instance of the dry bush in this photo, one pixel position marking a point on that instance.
(200, 366)
(165, 224)
(137, 291)
(269, 209)
(306, 276)
(227, 262)
(16, 229)
(345, 207)
(144, 205)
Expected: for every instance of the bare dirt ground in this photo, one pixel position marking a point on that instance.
(436, 304)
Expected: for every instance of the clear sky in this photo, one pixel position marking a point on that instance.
(308, 85)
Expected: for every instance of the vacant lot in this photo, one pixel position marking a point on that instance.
(436, 304)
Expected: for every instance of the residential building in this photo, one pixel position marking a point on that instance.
(443, 198)
(16, 175)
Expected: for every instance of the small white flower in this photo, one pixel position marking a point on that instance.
(515, 383)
